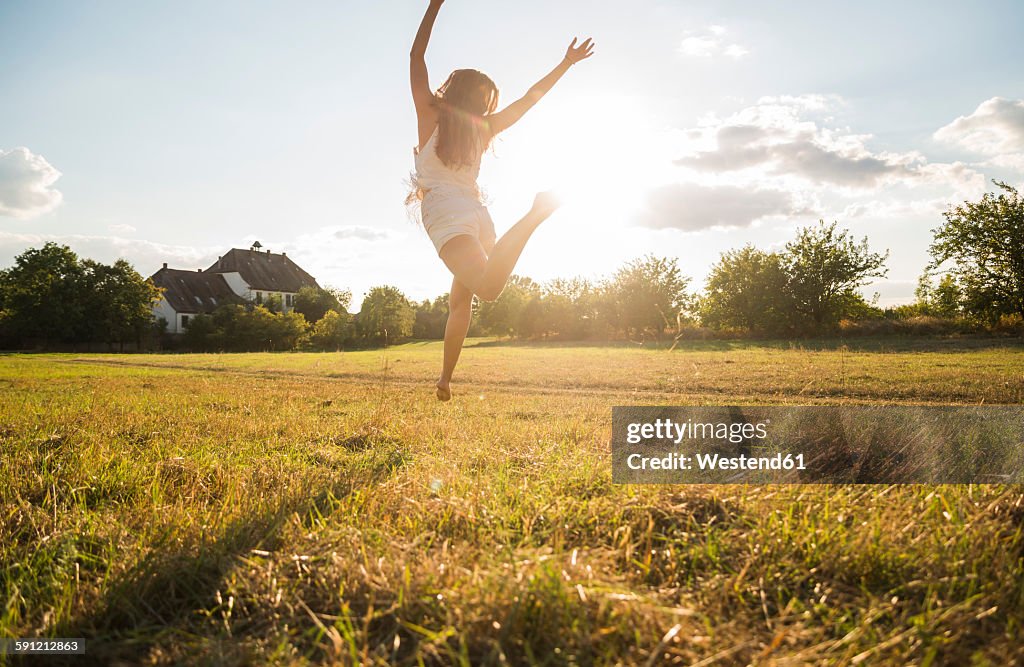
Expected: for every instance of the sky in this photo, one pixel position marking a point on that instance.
(172, 132)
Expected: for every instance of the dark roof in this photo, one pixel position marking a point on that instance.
(264, 271)
(194, 291)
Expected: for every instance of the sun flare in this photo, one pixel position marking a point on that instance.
(599, 167)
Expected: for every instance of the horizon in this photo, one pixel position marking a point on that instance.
(172, 134)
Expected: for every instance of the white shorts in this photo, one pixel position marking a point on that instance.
(449, 214)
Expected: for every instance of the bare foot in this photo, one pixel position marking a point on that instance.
(444, 392)
(544, 204)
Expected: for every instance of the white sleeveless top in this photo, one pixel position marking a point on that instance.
(435, 176)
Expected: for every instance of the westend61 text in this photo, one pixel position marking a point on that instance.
(716, 462)
(667, 429)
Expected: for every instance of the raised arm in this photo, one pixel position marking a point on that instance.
(422, 95)
(510, 115)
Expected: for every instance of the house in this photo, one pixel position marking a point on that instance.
(241, 276)
(189, 293)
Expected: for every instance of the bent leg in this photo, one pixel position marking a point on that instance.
(486, 276)
(466, 259)
(460, 311)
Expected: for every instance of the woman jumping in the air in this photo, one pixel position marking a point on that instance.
(456, 125)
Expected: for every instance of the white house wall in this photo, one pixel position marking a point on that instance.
(238, 285)
(164, 310)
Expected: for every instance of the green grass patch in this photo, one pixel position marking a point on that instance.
(311, 508)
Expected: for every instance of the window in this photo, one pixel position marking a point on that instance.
(288, 300)
(259, 297)
(184, 321)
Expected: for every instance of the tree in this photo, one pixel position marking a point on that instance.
(649, 294)
(431, 318)
(342, 296)
(942, 300)
(947, 299)
(287, 329)
(571, 307)
(503, 316)
(533, 320)
(331, 331)
(825, 268)
(201, 334)
(315, 302)
(41, 296)
(983, 242)
(748, 289)
(119, 302)
(386, 315)
(51, 295)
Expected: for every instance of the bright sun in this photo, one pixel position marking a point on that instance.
(602, 155)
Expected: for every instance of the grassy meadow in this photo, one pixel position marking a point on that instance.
(325, 508)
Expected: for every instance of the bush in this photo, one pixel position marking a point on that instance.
(920, 325)
(331, 332)
(237, 328)
(1010, 324)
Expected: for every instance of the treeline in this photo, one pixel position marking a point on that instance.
(51, 297)
(811, 287)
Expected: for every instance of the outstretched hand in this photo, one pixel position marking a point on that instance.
(546, 203)
(577, 53)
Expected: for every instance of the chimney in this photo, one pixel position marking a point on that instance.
(199, 270)
(284, 254)
(165, 265)
(268, 251)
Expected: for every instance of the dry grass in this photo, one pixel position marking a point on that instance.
(294, 509)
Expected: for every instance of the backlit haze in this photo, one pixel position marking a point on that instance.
(171, 132)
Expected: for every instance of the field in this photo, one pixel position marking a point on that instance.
(311, 508)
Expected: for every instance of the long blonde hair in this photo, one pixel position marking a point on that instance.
(463, 103)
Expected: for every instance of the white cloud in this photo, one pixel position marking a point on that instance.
(807, 102)
(692, 206)
(343, 255)
(145, 256)
(774, 139)
(121, 229)
(894, 208)
(26, 181)
(710, 42)
(996, 129)
(735, 51)
(360, 233)
(785, 157)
